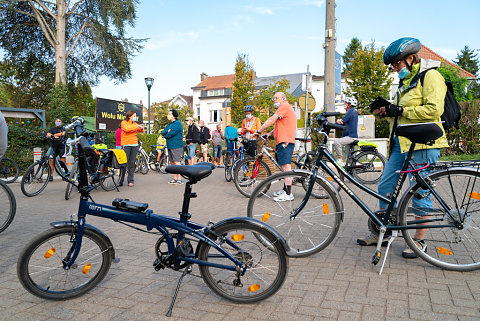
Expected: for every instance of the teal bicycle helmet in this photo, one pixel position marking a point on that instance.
(401, 48)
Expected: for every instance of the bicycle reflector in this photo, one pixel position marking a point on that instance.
(238, 237)
(253, 288)
(474, 195)
(326, 210)
(444, 251)
(86, 268)
(49, 253)
(265, 217)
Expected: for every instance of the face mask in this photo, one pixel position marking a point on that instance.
(276, 105)
(58, 123)
(249, 116)
(402, 74)
(169, 117)
(134, 118)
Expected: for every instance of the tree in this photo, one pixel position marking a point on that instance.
(262, 99)
(369, 77)
(467, 59)
(349, 53)
(88, 36)
(459, 83)
(243, 87)
(161, 112)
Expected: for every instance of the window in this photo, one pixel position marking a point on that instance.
(215, 116)
(216, 92)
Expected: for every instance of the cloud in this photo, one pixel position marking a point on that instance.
(172, 38)
(317, 3)
(259, 10)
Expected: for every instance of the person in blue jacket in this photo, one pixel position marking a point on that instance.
(350, 121)
(173, 133)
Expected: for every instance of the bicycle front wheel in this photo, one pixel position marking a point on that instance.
(367, 167)
(109, 178)
(314, 227)
(142, 165)
(452, 238)
(35, 178)
(258, 249)
(41, 270)
(8, 170)
(228, 168)
(73, 178)
(8, 206)
(248, 174)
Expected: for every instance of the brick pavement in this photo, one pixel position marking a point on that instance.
(337, 284)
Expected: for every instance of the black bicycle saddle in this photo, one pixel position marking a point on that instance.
(423, 133)
(193, 172)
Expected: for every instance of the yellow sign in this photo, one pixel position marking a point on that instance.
(302, 101)
(121, 107)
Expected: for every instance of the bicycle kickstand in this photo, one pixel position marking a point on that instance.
(390, 241)
(187, 270)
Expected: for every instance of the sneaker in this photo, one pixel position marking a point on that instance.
(372, 239)
(283, 197)
(173, 181)
(179, 182)
(50, 178)
(278, 193)
(408, 252)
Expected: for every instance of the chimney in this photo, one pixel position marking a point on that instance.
(203, 76)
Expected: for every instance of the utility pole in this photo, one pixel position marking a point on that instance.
(329, 46)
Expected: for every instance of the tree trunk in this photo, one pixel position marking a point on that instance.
(60, 46)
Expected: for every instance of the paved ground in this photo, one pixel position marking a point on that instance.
(337, 284)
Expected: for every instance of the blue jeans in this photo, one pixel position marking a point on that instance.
(217, 151)
(395, 162)
(191, 150)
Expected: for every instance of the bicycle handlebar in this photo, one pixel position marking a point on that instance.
(330, 113)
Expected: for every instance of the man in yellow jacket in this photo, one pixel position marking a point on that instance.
(414, 103)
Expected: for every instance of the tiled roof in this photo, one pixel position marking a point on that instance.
(295, 82)
(188, 99)
(427, 53)
(216, 82)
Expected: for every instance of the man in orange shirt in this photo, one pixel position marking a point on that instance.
(250, 124)
(285, 121)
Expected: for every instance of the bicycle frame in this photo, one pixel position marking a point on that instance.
(323, 151)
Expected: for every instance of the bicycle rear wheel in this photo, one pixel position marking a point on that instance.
(449, 247)
(109, 178)
(314, 227)
(260, 251)
(367, 167)
(40, 266)
(163, 163)
(142, 165)
(35, 178)
(8, 170)
(73, 178)
(248, 174)
(8, 206)
(228, 168)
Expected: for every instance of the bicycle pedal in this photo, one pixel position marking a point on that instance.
(376, 257)
(158, 265)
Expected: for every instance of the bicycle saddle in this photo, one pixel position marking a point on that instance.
(423, 133)
(194, 173)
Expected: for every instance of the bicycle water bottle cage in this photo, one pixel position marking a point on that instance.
(126, 204)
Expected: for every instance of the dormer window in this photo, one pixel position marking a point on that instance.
(216, 92)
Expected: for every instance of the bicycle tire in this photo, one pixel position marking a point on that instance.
(266, 261)
(40, 264)
(228, 168)
(162, 164)
(363, 168)
(450, 248)
(35, 178)
(108, 183)
(8, 206)
(143, 165)
(244, 172)
(153, 160)
(315, 226)
(9, 170)
(73, 178)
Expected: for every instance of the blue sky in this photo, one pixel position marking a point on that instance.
(189, 37)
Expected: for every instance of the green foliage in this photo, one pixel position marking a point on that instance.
(59, 104)
(349, 53)
(459, 83)
(369, 77)
(21, 141)
(243, 88)
(161, 112)
(467, 59)
(465, 139)
(382, 127)
(93, 44)
(263, 102)
(148, 140)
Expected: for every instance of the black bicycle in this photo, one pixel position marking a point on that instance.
(8, 206)
(440, 208)
(9, 170)
(366, 164)
(240, 259)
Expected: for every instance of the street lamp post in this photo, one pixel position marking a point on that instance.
(149, 83)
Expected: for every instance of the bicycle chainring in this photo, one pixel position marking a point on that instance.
(379, 214)
(161, 251)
